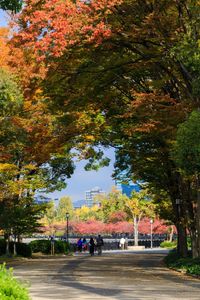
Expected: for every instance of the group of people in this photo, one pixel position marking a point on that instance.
(94, 244)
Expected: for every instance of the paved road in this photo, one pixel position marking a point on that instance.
(113, 276)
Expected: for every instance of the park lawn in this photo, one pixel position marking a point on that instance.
(187, 265)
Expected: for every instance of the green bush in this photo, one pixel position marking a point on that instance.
(194, 269)
(2, 247)
(171, 258)
(21, 248)
(188, 264)
(167, 244)
(44, 246)
(10, 288)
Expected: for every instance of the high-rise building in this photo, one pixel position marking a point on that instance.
(128, 188)
(39, 199)
(79, 203)
(91, 194)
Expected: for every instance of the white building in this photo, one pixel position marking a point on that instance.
(91, 194)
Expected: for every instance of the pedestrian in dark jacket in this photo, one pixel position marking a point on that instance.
(99, 245)
(91, 246)
(79, 245)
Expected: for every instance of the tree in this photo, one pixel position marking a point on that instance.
(32, 157)
(20, 217)
(11, 5)
(187, 155)
(131, 71)
(138, 207)
(112, 205)
(64, 205)
(11, 103)
(88, 213)
(49, 218)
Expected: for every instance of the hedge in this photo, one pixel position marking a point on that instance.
(44, 246)
(22, 249)
(168, 244)
(10, 288)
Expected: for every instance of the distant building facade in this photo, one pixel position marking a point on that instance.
(79, 203)
(91, 194)
(39, 199)
(127, 189)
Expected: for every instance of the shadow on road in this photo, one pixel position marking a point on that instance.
(117, 277)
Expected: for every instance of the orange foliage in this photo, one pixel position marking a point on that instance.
(4, 49)
(61, 24)
(154, 112)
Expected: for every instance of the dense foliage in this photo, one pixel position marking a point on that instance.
(167, 244)
(22, 249)
(95, 227)
(10, 288)
(11, 5)
(44, 246)
(121, 73)
(187, 265)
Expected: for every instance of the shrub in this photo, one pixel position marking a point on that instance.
(10, 288)
(2, 247)
(167, 244)
(194, 269)
(21, 248)
(44, 246)
(188, 264)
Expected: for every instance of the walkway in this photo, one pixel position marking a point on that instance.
(123, 276)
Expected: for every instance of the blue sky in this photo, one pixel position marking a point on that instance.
(3, 18)
(81, 180)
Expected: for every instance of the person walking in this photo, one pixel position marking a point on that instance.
(91, 246)
(79, 245)
(84, 245)
(122, 243)
(99, 245)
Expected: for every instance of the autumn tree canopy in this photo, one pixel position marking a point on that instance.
(120, 73)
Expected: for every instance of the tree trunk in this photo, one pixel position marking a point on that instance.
(19, 238)
(194, 241)
(135, 221)
(198, 217)
(182, 240)
(171, 233)
(14, 246)
(7, 245)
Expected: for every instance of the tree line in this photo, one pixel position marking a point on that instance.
(113, 213)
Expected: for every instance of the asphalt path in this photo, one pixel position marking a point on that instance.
(113, 276)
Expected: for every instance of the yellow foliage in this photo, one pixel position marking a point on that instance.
(30, 167)
(7, 167)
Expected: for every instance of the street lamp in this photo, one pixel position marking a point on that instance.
(151, 223)
(67, 217)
